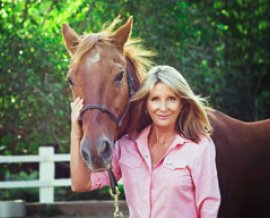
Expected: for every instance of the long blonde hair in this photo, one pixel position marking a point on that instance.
(192, 121)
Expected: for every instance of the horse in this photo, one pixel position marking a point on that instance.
(107, 68)
(243, 165)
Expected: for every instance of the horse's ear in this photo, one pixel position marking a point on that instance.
(71, 38)
(122, 34)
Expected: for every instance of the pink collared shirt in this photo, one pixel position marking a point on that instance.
(183, 185)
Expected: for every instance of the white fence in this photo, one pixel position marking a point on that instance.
(46, 182)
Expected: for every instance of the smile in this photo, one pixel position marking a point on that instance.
(163, 117)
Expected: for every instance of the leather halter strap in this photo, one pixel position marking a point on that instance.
(103, 108)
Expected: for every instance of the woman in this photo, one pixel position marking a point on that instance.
(168, 167)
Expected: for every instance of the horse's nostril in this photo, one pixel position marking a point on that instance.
(85, 156)
(106, 153)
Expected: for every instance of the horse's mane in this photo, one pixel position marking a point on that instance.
(133, 49)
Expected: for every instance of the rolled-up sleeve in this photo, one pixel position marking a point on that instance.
(101, 179)
(204, 175)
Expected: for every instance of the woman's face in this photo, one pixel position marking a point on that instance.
(163, 106)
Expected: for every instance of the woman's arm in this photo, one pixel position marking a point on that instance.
(205, 179)
(80, 174)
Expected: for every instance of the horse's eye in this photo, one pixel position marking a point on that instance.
(119, 76)
(69, 80)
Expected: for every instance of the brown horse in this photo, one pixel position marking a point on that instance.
(243, 163)
(106, 68)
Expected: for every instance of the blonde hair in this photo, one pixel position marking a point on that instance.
(192, 122)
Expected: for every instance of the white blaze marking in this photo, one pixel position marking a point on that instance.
(94, 58)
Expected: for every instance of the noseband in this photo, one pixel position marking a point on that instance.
(103, 108)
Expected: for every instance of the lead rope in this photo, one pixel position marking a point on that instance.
(117, 213)
(114, 189)
(115, 193)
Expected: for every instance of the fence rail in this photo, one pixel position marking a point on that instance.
(46, 183)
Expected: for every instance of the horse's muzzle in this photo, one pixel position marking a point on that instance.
(97, 155)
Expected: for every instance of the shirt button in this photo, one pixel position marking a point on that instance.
(146, 156)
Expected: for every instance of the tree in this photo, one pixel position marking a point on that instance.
(221, 47)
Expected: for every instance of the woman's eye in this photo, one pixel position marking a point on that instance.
(172, 98)
(154, 99)
(119, 76)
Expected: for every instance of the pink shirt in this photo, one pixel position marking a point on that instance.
(183, 185)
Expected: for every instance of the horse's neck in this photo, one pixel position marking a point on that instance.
(134, 73)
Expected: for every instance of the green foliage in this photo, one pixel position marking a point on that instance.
(221, 47)
(29, 194)
(102, 194)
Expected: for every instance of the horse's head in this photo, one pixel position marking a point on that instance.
(98, 74)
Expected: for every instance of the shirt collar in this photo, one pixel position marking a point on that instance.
(180, 139)
(143, 137)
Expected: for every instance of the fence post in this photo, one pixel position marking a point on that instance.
(46, 175)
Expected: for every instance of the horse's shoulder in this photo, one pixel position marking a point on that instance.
(218, 115)
(225, 128)
(220, 120)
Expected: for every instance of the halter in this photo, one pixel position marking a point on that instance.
(103, 108)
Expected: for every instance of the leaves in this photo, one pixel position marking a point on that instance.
(221, 47)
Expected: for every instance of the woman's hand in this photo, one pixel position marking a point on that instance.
(76, 107)
(80, 179)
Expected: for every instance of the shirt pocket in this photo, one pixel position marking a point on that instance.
(132, 171)
(130, 162)
(177, 173)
